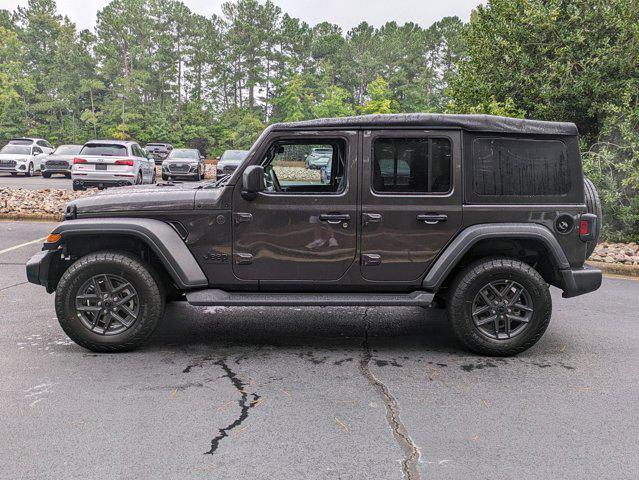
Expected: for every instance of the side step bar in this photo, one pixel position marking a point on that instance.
(221, 298)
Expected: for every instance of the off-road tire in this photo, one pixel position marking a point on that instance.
(46, 175)
(466, 286)
(142, 277)
(593, 204)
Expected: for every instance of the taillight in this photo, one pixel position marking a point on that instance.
(77, 160)
(584, 226)
(124, 162)
(587, 227)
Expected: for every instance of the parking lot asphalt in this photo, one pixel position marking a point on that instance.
(315, 393)
(36, 182)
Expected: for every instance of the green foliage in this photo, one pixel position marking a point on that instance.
(380, 100)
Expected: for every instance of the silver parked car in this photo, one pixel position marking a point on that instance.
(229, 161)
(184, 163)
(111, 163)
(60, 161)
(318, 158)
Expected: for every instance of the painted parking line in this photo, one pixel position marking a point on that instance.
(15, 247)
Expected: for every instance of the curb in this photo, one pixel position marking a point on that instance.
(45, 217)
(616, 268)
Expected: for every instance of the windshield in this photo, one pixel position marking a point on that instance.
(68, 150)
(104, 149)
(234, 155)
(185, 153)
(16, 149)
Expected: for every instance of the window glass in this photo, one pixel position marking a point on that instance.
(16, 149)
(104, 149)
(305, 167)
(412, 165)
(37, 150)
(21, 141)
(519, 167)
(67, 150)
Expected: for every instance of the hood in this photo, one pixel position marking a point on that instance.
(233, 163)
(180, 160)
(13, 156)
(66, 158)
(147, 198)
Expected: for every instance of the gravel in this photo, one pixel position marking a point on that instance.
(624, 253)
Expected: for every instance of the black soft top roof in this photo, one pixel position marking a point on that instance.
(477, 123)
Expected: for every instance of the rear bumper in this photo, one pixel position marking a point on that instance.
(88, 183)
(38, 268)
(580, 280)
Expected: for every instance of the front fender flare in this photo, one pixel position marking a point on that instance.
(159, 236)
(468, 237)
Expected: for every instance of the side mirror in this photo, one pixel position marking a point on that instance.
(253, 182)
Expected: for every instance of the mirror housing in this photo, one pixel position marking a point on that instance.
(253, 182)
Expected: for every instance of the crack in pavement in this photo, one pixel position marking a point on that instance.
(400, 432)
(14, 285)
(246, 401)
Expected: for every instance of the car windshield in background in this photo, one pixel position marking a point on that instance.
(68, 150)
(184, 153)
(234, 155)
(16, 149)
(104, 149)
(21, 142)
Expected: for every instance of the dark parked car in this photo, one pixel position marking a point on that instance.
(183, 163)
(229, 161)
(60, 161)
(159, 151)
(479, 214)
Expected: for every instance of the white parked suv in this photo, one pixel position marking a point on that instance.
(26, 159)
(44, 145)
(111, 163)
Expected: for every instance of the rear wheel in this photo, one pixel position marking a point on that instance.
(499, 306)
(14, 174)
(109, 302)
(138, 179)
(593, 205)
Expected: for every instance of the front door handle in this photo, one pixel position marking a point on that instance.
(334, 218)
(432, 218)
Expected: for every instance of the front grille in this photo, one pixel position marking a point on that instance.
(8, 163)
(178, 168)
(57, 163)
(229, 169)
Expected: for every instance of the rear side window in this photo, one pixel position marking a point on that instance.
(412, 165)
(104, 149)
(520, 167)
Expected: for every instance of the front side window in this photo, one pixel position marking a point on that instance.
(300, 166)
(412, 165)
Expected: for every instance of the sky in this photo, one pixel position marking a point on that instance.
(345, 13)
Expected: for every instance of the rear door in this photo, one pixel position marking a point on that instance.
(411, 200)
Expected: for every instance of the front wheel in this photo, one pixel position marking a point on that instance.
(30, 171)
(499, 306)
(46, 175)
(109, 302)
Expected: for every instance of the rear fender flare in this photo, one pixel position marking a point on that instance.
(468, 237)
(159, 236)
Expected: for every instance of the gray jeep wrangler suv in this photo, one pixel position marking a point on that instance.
(476, 213)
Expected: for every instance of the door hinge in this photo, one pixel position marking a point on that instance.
(371, 259)
(242, 217)
(242, 258)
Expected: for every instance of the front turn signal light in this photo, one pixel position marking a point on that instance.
(54, 237)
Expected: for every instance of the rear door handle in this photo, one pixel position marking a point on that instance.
(432, 218)
(334, 218)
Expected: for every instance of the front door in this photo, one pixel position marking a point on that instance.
(304, 226)
(411, 201)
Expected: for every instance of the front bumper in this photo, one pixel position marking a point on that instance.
(19, 168)
(56, 169)
(38, 267)
(579, 281)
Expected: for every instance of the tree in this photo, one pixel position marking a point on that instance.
(380, 100)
